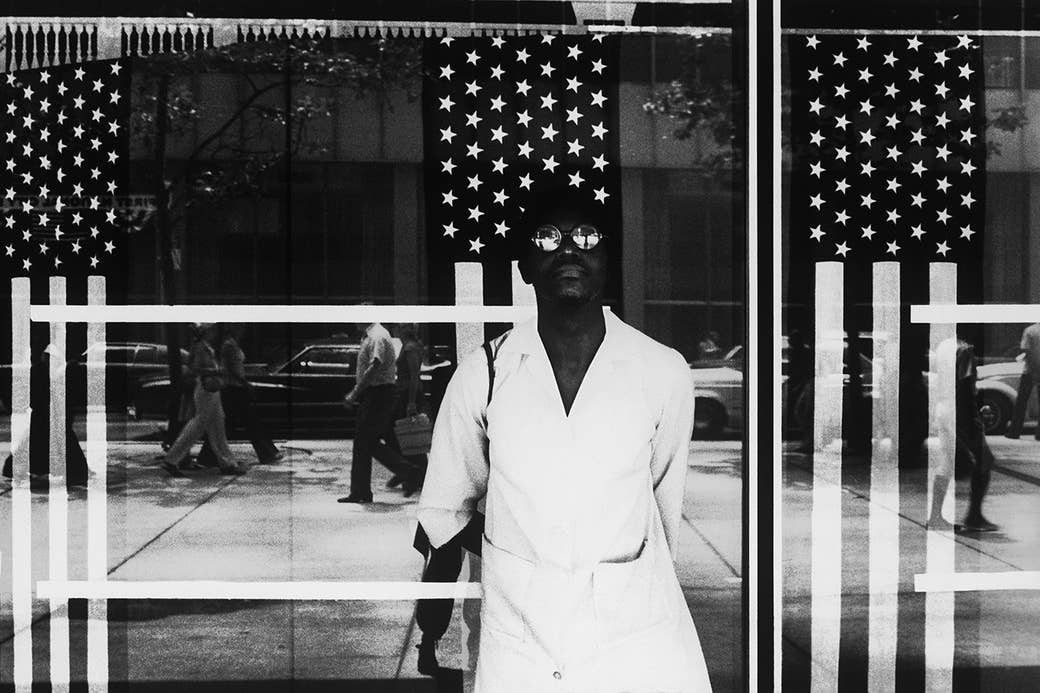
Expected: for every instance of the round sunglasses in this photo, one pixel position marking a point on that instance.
(548, 237)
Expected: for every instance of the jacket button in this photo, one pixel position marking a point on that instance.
(557, 675)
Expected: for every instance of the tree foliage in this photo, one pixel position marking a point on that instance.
(232, 157)
(702, 100)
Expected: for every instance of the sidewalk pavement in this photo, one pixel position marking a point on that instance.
(281, 522)
(997, 632)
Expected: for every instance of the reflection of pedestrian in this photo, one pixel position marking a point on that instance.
(238, 400)
(374, 396)
(799, 369)
(1030, 348)
(578, 575)
(208, 419)
(709, 346)
(408, 390)
(443, 564)
(969, 443)
(40, 429)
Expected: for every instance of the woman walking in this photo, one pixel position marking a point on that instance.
(208, 419)
(238, 401)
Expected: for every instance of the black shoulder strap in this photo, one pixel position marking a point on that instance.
(491, 351)
(491, 370)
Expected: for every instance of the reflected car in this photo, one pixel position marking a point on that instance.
(997, 393)
(305, 393)
(719, 391)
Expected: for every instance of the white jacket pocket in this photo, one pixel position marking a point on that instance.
(631, 597)
(506, 581)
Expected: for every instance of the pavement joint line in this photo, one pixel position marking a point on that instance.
(922, 525)
(1014, 473)
(711, 546)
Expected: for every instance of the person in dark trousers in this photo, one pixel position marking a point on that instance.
(1030, 380)
(374, 395)
(969, 444)
(408, 393)
(76, 473)
(238, 400)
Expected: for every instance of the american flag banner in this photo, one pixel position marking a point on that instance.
(64, 152)
(504, 116)
(887, 209)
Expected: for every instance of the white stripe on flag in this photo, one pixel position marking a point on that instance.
(939, 607)
(57, 497)
(523, 293)
(986, 313)
(884, 481)
(469, 291)
(275, 591)
(826, 491)
(21, 510)
(977, 582)
(97, 490)
(251, 313)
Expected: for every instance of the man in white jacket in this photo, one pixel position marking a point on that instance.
(581, 451)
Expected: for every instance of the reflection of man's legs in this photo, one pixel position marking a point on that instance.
(364, 438)
(1025, 390)
(982, 466)
(434, 615)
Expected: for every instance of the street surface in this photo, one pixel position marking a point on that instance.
(281, 522)
(997, 641)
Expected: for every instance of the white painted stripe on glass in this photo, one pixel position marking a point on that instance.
(977, 582)
(826, 491)
(291, 591)
(97, 494)
(464, 311)
(939, 607)
(57, 497)
(469, 293)
(884, 482)
(21, 511)
(975, 313)
(523, 293)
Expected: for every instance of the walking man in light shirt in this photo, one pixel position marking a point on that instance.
(374, 395)
(580, 448)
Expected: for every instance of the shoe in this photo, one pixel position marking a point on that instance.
(939, 524)
(354, 499)
(190, 463)
(1011, 436)
(977, 525)
(411, 486)
(428, 665)
(393, 482)
(233, 470)
(208, 461)
(172, 469)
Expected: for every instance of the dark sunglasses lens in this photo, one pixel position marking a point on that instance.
(547, 238)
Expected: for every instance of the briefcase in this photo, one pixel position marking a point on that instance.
(414, 434)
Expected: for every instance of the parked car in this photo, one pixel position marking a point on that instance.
(719, 391)
(127, 365)
(997, 392)
(306, 392)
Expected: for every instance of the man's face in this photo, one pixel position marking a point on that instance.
(567, 274)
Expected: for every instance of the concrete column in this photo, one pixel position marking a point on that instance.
(406, 234)
(633, 262)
